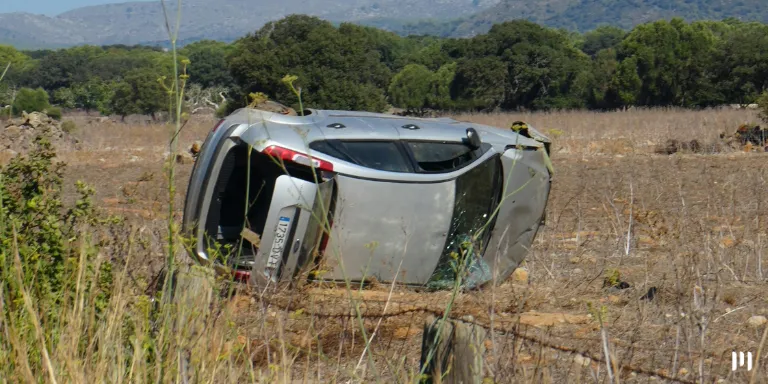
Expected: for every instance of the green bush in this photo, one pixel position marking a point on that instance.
(222, 111)
(30, 100)
(762, 104)
(35, 223)
(68, 126)
(53, 112)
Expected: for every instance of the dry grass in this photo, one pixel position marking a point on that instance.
(697, 233)
(632, 131)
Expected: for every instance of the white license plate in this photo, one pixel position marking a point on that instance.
(278, 244)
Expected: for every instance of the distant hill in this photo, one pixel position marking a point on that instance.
(582, 15)
(226, 20)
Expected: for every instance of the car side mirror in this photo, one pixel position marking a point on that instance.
(473, 139)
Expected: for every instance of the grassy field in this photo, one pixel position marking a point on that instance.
(691, 226)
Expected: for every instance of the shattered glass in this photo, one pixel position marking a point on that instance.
(476, 198)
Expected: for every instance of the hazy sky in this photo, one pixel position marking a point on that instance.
(50, 7)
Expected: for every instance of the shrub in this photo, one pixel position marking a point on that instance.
(762, 104)
(221, 112)
(33, 217)
(42, 248)
(53, 112)
(31, 100)
(68, 126)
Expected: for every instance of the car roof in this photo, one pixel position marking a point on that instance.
(322, 124)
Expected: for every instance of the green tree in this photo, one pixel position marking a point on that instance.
(123, 100)
(425, 50)
(673, 61)
(741, 62)
(440, 89)
(480, 84)
(92, 95)
(601, 94)
(543, 66)
(411, 88)
(603, 37)
(64, 97)
(64, 68)
(115, 63)
(139, 92)
(336, 67)
(19, 64)
(626, 84)
(208, 66)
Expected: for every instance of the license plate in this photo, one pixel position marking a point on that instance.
(278, 244)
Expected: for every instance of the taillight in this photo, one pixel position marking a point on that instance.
(242, 276)
(298, 158)
(215, 127)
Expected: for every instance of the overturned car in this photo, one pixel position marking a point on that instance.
(356, 196)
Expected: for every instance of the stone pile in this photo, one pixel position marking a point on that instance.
(18, 135)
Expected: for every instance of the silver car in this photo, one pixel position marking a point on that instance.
(357, 196)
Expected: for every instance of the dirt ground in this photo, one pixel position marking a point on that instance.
(689, 227)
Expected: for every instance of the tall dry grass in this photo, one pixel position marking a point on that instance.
(691, 226)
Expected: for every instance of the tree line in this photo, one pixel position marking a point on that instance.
(516, 65)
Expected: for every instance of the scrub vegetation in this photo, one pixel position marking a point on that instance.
(651, 261)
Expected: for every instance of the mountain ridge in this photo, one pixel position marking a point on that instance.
(133, 23)
(141, 22)
(585, 15)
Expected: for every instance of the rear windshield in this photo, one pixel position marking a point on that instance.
(441, 157)
(379, 155)
(396, 156)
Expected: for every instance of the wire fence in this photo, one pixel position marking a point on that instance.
(521, 347)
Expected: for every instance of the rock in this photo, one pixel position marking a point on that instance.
(12, 131)
(581, 360)
(184, 158)
(757, 321)
(20, 133)
(195, 148)
(35, 119)
(520, 275)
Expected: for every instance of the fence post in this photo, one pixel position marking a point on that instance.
(458, 357)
